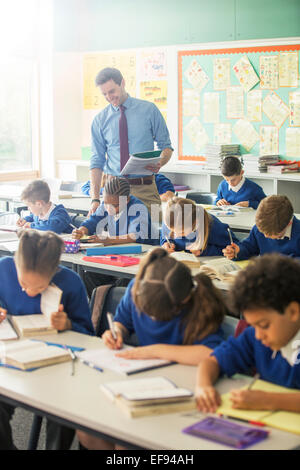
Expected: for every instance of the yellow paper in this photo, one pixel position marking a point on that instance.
(155, 91)
(93, 63)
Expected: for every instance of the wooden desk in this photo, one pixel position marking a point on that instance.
(77, 401)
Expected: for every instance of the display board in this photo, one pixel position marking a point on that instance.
(239, 95)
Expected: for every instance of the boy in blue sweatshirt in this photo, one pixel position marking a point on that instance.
(267, 294)
(44, 214)
(236, 189)
(276, 230)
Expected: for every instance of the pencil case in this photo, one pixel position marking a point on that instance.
(226, 432)
(72, 246)
(114, 250)
(115, 260)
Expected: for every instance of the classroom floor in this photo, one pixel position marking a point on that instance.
(21, 425)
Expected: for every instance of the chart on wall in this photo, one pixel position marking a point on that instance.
(145, 75)
(247, 96)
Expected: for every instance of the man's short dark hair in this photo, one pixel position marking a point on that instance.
(269, 282)
(109, 73)
(231, 166)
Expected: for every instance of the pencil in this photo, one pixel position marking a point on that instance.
(255, 378)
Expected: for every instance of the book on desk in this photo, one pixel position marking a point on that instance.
(149, 396)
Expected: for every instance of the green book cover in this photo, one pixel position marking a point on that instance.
(149, 154)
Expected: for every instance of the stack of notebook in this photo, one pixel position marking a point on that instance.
(265, 160)
(214, 155)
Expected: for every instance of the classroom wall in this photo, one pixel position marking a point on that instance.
(97, 25)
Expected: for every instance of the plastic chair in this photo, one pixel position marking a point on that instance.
(106, 299)
(77, 220)
(229, 326)
(202, 198)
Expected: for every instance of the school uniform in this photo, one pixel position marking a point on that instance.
(246, 190)
(257, 244)
(74, 298)
(17, 302)
(149, 331)
(218, 238)
(133, 218)
(57, 220)
(163, 184)
(239, 355)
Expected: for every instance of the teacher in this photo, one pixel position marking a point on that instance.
(126, 126)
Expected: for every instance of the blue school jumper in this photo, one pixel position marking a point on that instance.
(135, 218)
(239, 355)
(250, 191)
(59, 221)
(151, 331)
(257, 244)
(217, 240)
(74, 297)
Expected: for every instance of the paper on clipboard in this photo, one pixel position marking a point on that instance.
(136, 165)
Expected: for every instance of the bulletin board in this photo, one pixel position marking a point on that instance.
(248, 96)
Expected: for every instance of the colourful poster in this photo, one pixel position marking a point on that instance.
(246, 133)
(153, 65)
(288, 69)
(292, 142)
(222, 134)
(254, 105)
(275, 108)
(93, 63)
(269, 140)
(211, 105)
(191, 102)
(245, 73)
(268, 72)
(196, 75)
(221, 73)
(235, 102)
(155, 91)
(197, 134)
(294, 102)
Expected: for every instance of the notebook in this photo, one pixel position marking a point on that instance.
(28, 354)
(114, 260)
(136, 164)
(148, 396)
(107, 359)
(284, 420)
(6, 331)
(114, 250)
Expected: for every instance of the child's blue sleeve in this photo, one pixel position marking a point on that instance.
(236, 355)
(124, 310)
(29, 218)
(249, 246)
(213, 340)
(58, 222)
(257, 197)
(92, 222)
(164, 232)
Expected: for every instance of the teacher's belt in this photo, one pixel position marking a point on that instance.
(140, 181)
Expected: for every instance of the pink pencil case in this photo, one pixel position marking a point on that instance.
(71, 246)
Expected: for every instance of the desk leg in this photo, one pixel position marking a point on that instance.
(35, 432)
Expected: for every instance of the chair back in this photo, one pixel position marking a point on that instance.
(202, 197)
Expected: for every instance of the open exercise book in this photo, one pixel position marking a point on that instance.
(222, 268)
(186, 258)
(148, 396)
(106, 358)
(284, 420)
(29, 354)
(8, 240)
(30, 325)
(136, 164)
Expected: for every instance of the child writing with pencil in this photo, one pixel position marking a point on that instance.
(267, 293)
(174, 316)
(44, 214)
(276, 230)
(235, 189)
(23, 279)
(189, 227)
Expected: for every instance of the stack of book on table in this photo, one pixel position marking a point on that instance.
(214, 155)
(283, 167)
(149, 396)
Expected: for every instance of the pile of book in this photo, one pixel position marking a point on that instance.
(215, 153)
(266, 160)
(283, 167)
(149, 396)
(251, 163)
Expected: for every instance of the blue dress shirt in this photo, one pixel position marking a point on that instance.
(146, 125)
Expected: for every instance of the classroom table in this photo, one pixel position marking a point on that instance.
(76, 401)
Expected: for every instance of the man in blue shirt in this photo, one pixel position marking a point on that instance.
(145, 126)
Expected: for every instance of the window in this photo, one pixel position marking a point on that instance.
(18, 87)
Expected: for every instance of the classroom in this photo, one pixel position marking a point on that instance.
(150, 226)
